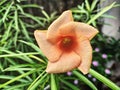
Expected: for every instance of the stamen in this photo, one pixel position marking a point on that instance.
(67, 43)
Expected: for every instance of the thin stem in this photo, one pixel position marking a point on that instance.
(104, 80)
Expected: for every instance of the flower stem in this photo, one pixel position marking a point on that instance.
(104, 80)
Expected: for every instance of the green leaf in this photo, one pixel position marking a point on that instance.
(26, 57)
(21, 54)
(73, 87)
(34, 47)
(87, 5)
(20, 8)
(5, 77)
(85, 80)
(45, 14)
(53, 82)
(104, 80)
(7, 11)
(17, 78)
(25, 32)
(38, 82)
(17, 86)
(94, 4)
(108, 16)
(19, 67)
(37, 58)
(7, 33)
(100, 13)
(15, 38)
(16, 20)
(2, 2)
(32, 84)
(33, 18)
(31, 6)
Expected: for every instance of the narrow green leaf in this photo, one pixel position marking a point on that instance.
(2, 10)
(32, 84)
(15, 64)
(34, 47)
(53, 82)
(85, 80)
(1, 67)
(108, 16)
(20, 8)
(87, 5)
(24, 30)
(33, 87)
(117, 5)
(21, 54)
(45, 14)
(16, 20)
(19, 1)
(81, 7)
(37, 58)
(73, 87)
(15, 67)
(79, 11)
(104, 80)
(94, 4)
(15, 38)
(7, 32)
(17, 78)
(2, 2)
(7, 11)
(26, 57)
(100, 13)
(33, 18)
(17, 87)
(5, 77)
(31, 6)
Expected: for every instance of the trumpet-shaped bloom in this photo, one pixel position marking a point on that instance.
(66, 44)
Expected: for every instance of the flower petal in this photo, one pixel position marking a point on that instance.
(53, 28)
(51, 51)
(80, 29)
(67, 30)
(67, 62)
(85, 51)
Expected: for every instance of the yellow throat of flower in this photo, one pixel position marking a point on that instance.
(66, 42)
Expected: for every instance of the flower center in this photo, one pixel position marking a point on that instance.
(67, 43)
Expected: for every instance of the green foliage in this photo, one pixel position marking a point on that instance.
(90, 13)
(107, 46)
(85, 80)
(17, 22)
(22, 64)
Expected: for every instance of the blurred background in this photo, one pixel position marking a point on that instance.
(19, 52)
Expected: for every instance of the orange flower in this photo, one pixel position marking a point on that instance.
(66, 44)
